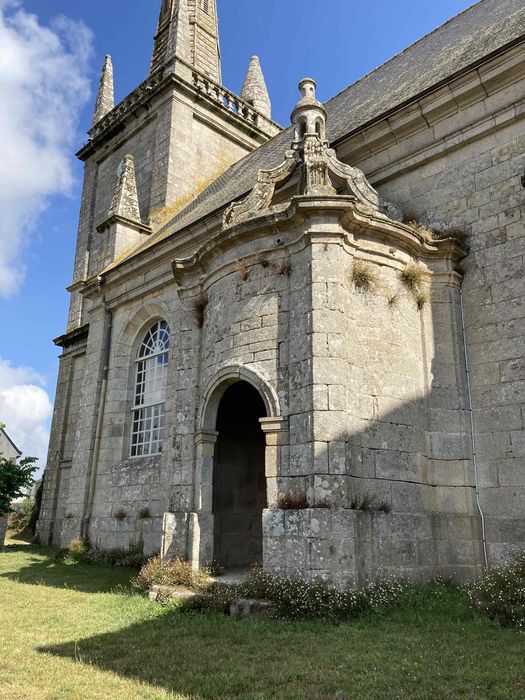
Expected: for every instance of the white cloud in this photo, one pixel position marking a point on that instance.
(43, 85)
(25, 409)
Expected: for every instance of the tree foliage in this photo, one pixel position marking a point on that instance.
(14, 477)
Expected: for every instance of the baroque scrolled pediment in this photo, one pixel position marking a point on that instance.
(320, 172)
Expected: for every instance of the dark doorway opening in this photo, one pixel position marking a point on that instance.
(239, 481)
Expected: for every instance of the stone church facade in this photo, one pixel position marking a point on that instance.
(304, 347)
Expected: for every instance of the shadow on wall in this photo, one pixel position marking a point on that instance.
(400, 366)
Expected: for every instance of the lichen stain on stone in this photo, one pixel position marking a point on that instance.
(162, 216)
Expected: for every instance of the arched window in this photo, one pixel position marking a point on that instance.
(150, 391)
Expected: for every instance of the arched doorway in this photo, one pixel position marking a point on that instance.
(239, 479)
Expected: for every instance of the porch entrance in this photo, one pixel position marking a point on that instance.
(239, 480)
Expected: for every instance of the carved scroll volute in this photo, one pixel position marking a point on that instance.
(261, 196)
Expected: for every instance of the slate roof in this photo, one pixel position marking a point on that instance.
(476, 33)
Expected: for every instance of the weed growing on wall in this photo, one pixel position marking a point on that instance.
(292, 501)
(200, 305)
(242, 269)
(415, 278)
(363, 276)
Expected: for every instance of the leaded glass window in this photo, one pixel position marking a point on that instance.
(150, 391)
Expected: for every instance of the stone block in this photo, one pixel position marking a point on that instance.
(245, 607)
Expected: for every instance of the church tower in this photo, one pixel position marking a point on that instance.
(147, 157)
(181, 128)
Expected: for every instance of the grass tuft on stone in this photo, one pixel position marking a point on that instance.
(369, 502)
(363, 276)
(243, 269)
(292, 501)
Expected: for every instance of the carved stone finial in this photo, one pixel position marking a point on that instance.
(320, 168)
(125, 202)
(254, 89)
(105, 97)
(309, 115)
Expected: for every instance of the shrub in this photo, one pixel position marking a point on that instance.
(292, 501)
(200, 305)
(362, 502)
(363, 276)
(78, 551)
(35, 512)
(14, 478)
(214, 568)
(297, 599)
(500, 594)
(218, 598)
(20, 519)
(176, 572)
(131, 557)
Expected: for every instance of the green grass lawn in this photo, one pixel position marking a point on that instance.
(79, 632)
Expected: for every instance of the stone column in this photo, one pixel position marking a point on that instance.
(201, 522)
(277, 441)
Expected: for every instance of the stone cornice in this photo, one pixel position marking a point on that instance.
(139, 226)
(73, 338)
(354, 218)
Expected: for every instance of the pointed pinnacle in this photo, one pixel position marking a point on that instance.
(125, 200)
(105, 97)
(254, 88)
(179, 43)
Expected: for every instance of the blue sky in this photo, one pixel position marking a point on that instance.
(293, 38)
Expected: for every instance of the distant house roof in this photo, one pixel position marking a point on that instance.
(482, 30)
(8, 439)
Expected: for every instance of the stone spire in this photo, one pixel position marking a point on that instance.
(106, 97)
(179, 43)
(173, 34)
(188, 29)
(125, 202)
(254, 89)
